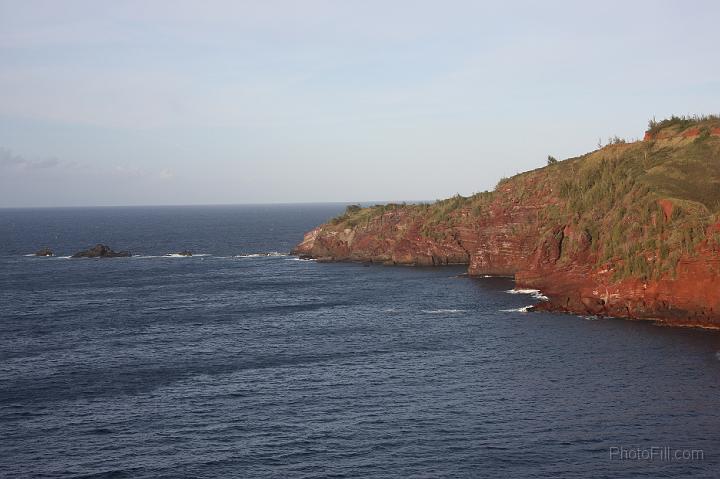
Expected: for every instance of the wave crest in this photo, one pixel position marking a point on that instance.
(535, 293)
(269, 254)
(524, 309)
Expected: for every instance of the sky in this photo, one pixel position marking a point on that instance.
(224, 102)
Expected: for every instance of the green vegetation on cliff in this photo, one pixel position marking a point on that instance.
(681, 122)
(634, 208)
(645, 204)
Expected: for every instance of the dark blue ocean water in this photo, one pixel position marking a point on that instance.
(230, 366)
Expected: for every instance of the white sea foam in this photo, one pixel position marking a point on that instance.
(271, 254)
(522, 291)
(535, 293)
(300, 259)
(524, 309)
(442, 311)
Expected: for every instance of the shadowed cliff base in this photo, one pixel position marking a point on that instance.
(629, 230)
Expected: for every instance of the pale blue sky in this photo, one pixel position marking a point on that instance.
(122, 103)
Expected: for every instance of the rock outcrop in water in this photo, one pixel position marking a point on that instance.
(101, 251)
(44, 252)
(630, 230)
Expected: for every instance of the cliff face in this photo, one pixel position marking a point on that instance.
(500, 240)
(630, 230)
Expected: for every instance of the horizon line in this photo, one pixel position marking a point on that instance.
(186, 205)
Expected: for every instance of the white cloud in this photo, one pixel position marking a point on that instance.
(8, 159)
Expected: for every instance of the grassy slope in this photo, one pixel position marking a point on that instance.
(610, 196)
(614, 194)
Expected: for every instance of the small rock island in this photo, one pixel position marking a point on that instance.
(101, 251)
(44, 252)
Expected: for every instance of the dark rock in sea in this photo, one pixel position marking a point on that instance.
(305, 256)
(185, 253)
(44, 252)
(101, 251)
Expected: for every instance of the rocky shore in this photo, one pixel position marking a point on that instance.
(631, 230)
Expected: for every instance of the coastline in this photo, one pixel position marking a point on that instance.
(631, 230)
(546, 305)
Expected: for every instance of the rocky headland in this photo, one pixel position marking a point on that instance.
(629, 230)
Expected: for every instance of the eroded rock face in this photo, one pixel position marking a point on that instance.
(498, 241)
(101, 251)
(689, 299)
(504, 243)
(516, 233)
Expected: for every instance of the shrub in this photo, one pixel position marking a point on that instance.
(681, 121)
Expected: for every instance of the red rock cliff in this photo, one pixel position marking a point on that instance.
(630, 230)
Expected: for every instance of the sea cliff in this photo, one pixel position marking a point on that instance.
(629, 230)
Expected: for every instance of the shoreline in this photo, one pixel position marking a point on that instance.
(537, 307)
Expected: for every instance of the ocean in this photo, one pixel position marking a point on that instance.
(234, 364)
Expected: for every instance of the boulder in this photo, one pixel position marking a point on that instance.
(101, 251)
(44, 252)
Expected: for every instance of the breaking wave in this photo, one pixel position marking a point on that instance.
(535, 293)
(524, 309)
(270, 254)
